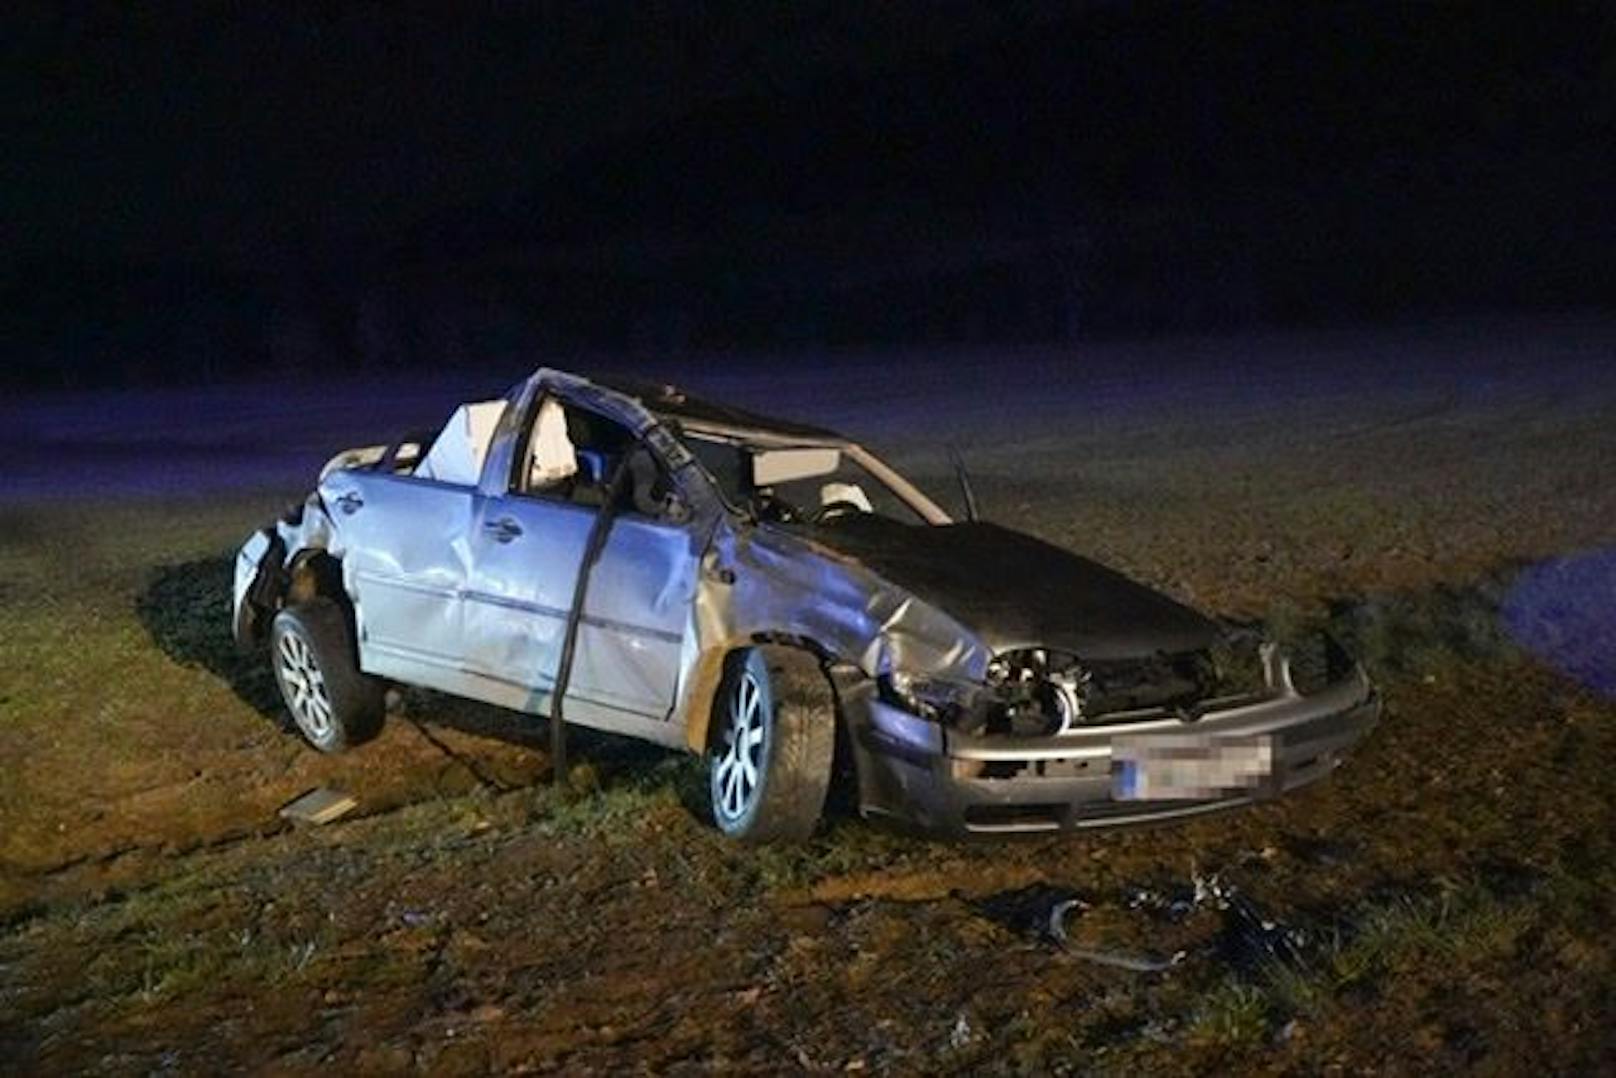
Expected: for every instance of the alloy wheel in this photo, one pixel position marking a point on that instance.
(738, 767)
(304, 687)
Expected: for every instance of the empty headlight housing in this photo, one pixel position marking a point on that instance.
(936, 698)
(1317, 661)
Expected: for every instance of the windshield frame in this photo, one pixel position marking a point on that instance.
(889, 477)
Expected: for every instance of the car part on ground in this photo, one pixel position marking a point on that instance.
(1208, 917)
(319, 806)
(1134, 963)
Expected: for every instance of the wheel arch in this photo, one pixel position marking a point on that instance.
(708, 677)
(308, 573)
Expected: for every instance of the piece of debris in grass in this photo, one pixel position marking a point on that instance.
(1251, 938)
(961, 1034)
(320, 805)
(1137, 963)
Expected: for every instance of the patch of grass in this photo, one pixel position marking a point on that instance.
(1415, 633)
(619, 807)
(1039, 1043)
(1459, 927)
(846, 847)
(1235, 1014)
(1465, 924)
(1293, 990)
(172, 965)
(185, 608)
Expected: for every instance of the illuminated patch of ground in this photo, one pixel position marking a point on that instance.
(1451, 885)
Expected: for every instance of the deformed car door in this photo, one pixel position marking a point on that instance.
(638, 617)
(525, 558)
(404, 563)
(526, 550)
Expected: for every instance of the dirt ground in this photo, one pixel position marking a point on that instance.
(1442, 499)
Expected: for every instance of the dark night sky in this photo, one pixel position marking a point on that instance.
(329, 143)
(210, 133)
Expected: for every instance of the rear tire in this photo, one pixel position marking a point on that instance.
(333, 704)
(773, 743)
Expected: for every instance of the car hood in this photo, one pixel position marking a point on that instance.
(1015, 591)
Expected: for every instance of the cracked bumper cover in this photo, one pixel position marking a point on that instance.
(939, 779)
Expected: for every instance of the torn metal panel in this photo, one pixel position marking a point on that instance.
(767, 584)
(1134, 963)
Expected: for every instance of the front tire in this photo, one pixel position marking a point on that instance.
(774, 739)
(334, 705)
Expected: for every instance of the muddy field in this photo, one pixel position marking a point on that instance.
(1442, 497)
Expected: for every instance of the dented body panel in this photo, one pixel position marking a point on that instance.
(467, 588)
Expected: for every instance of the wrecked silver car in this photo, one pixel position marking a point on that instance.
(778, 599)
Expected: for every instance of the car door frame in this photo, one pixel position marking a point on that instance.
(586, 704)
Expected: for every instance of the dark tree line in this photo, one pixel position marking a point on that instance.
(477, 290)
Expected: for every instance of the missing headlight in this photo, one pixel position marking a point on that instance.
(1317, 661)
(1043, 691)
(1040, 692)
(1238, 663)
(939, 699)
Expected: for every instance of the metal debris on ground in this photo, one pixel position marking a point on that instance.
(1249, 938)
(1252, 940)
(320, 805)
(1137, 963)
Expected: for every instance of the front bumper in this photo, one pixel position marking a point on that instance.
(945, 781)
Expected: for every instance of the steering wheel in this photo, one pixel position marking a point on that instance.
(831, 510)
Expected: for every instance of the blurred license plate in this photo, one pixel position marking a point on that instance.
(1176, 767)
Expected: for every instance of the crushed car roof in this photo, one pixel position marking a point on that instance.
(671, 402)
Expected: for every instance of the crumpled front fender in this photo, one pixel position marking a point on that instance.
(264, 563)
(763, 584)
